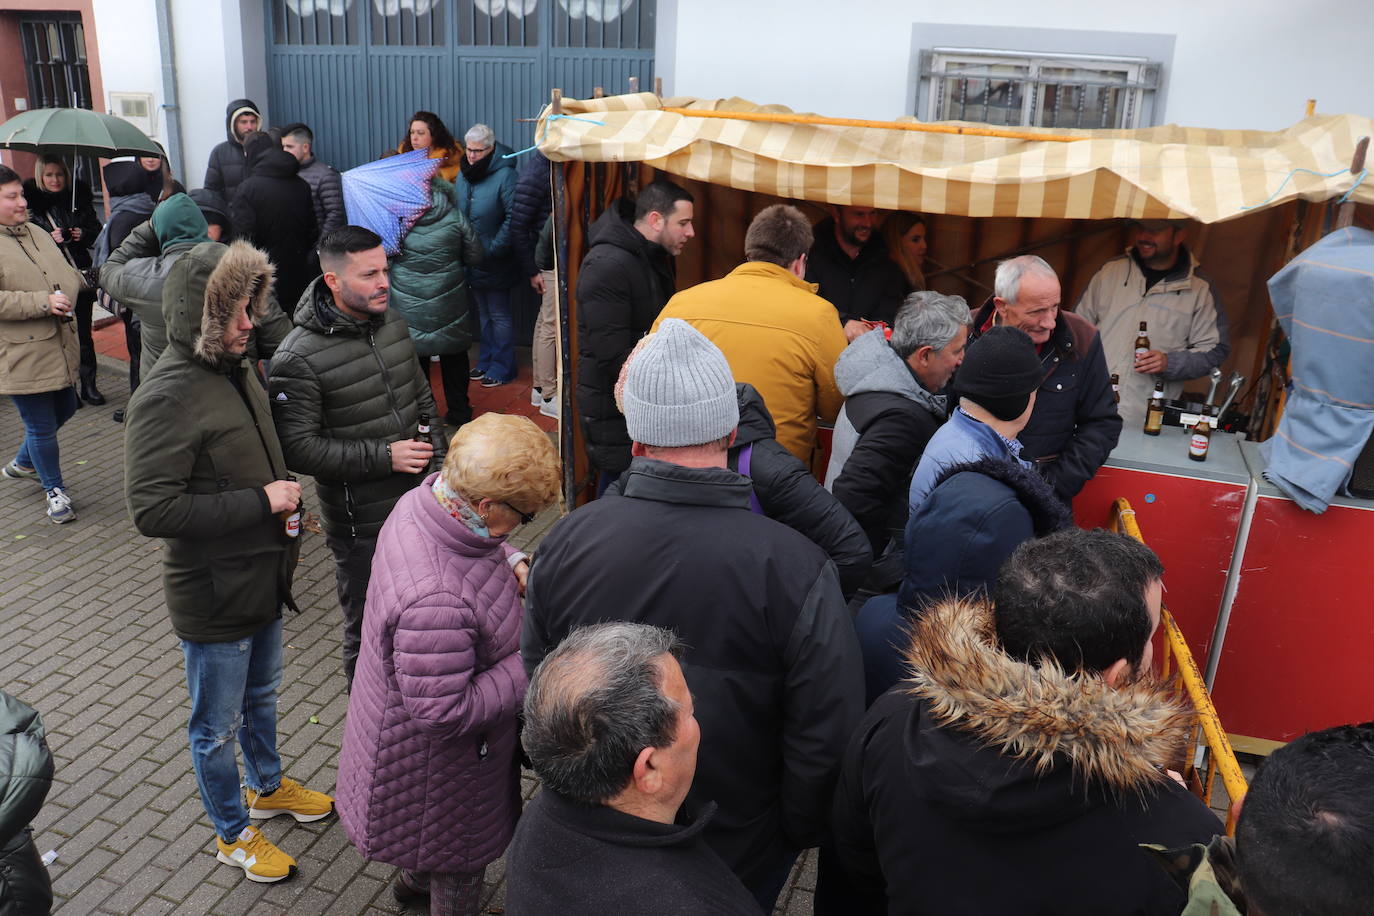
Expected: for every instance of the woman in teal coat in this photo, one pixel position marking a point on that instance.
(429, 287)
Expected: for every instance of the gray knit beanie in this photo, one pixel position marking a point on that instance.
(679, 390)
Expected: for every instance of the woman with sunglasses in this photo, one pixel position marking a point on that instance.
(427, 777)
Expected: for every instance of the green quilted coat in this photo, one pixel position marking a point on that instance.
(429, 285)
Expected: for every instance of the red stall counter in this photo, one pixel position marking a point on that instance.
(1189, 512)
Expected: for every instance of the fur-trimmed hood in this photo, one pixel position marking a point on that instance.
(1074, 739)
(200, 292)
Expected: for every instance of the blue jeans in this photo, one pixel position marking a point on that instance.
(43, 415)
(497, 359)
(234, 690)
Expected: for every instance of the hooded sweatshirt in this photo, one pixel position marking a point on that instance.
(228, 162)
(199, 449)
(274, 210)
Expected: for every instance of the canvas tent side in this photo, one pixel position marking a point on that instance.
(1063, 194)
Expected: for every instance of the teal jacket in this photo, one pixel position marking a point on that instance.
(429, 284)
(485, 192)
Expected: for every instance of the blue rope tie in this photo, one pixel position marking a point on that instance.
(1358, 180)
(557, 117)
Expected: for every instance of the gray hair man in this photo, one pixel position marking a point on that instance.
(326, 185)
(1075, 424)
(773, 660)
(893, 405)
(610, 731)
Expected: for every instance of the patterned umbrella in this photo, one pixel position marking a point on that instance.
(389, 195)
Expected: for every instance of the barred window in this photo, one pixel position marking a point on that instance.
(615, 24)
(315, 22)
(408, 23)
(1016, 88)
(498, 23)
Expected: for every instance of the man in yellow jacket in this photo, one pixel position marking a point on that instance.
(776, 333)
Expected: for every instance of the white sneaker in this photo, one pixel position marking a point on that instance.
(549, 408)
(536, 398)
(60, 507)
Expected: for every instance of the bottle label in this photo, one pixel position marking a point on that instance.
(1198, 444)
(1141, 352)
(424, 430)
(293, 524)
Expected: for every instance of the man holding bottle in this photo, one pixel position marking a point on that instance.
(1156, 285)
(347, 394)
(204, 471)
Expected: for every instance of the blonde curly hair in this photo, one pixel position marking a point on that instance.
(503, 458)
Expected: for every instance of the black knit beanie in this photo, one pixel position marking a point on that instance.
(999, 372)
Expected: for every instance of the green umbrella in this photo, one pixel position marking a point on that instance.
(76, 132)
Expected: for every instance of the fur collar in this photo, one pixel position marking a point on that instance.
(242, 271)
(1113, 737)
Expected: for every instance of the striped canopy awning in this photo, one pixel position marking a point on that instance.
(1169, 171)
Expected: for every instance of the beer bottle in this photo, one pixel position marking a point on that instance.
(1154, 413)
(1201, 438)
(423, 434)
(1142, 342)
(291, 518)
(1116, 387)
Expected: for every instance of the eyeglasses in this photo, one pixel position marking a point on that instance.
(525, 518)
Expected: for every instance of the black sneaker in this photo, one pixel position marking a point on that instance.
(489, 382)
(475, 374)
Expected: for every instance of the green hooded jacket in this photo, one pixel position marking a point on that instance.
(429, 285)
(199, 449)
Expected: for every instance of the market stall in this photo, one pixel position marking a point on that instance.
(1254, 198)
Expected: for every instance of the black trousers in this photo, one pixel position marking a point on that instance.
(453, 375)
(352, 572)
(85, 302)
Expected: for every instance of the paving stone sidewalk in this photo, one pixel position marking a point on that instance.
(84, 638)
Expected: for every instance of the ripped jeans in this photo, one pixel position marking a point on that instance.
(234, 695)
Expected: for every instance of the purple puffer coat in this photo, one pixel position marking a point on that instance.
(427, 776)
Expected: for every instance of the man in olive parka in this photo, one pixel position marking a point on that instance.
(204, 471)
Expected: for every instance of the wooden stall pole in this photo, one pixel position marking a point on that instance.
(1311, 107)
(1345, 216)
(566, 426)
(658, 86)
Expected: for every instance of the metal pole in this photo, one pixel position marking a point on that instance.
(1228, 594)
(171, 103)
(566, 443)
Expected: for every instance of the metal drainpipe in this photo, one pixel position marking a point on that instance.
(171, 99)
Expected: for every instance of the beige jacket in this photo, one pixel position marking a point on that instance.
(1184, 319)
(37, 351)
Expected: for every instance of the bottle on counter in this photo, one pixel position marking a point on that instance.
(1142, 342)
(291, 518)
(1154, 412)
(1116, 388)
(424, 434)
(1201, 438)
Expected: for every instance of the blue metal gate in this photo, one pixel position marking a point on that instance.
(355, 70)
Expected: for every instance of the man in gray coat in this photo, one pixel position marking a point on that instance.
(348, 401)
(326, 186)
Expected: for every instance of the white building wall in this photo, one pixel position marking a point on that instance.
(1235, 65)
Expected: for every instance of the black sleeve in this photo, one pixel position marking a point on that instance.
(605, 315)
(1096, 430)
(851, 846)
(529, 209)
(790, 494)
(878, 471)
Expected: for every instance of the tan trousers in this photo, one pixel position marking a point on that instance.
(545, 354)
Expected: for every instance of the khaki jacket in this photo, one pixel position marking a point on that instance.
(37, 351)
(778, 336)
(1184, 319)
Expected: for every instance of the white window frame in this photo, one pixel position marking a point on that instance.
(1139, 75)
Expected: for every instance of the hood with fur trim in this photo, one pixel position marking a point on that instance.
(1006, 741)
(201, 290)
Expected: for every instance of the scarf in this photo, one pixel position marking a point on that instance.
(456, 506)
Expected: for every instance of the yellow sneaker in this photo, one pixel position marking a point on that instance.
(260, 860)
(290, 798)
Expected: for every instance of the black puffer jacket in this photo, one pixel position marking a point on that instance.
(25, 777)
(772, 660)
(326, 190)
(274, 211)
(51, 211)
(624, 282)
(529, 210)
(228, 163)
(1074, 425)
(341, 390)
(787, 492)
(870, 286)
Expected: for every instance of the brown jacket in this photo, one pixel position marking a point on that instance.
(37, 351)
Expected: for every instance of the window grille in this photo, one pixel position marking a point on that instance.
(618, 24)
(1018, 88)
(498, 23)
(315, 22)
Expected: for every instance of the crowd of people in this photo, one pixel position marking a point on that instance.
(906, 655)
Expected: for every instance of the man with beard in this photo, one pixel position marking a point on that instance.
(1021, 764)
(228, 161)
(347, 396)
(850, 264)
(1159, 282)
